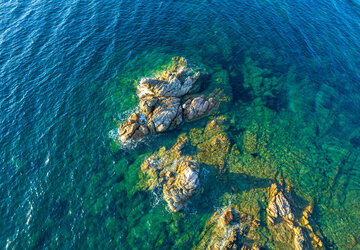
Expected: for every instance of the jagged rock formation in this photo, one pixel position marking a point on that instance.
(317, 243)
(279, 206)
(178, 175)
(279, 211)
(161, 102)
(182, 185)
(229, 229)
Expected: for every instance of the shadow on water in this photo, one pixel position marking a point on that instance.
(355, 141)
(238, 90)
(205, 82)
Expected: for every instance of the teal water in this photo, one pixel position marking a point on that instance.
(68, 74)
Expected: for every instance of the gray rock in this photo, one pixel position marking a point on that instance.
(197, 107)
(129, 127)
(160, 102)
(173, 87)
(165, 113)
(147, 104)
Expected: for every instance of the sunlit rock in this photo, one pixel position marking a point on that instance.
(283, 224)
(229, 228)
(178, 189)
(279, 206)
(178, 175)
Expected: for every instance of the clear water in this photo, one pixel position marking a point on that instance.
(68, 72)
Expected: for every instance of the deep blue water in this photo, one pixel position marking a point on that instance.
(62, 71)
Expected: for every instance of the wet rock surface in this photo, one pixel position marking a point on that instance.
(161, 102)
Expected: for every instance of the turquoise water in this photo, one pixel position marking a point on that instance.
(68, 74)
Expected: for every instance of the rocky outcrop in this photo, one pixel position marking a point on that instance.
(179, 188)
(177, 174)
(167, 113)
(316, 241)
(299, 238)
(279, 206)
(280, 211)
(161, 105)
(173, 86)
(229, 228)
(282, 220)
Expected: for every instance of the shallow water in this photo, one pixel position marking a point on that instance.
(68, 73)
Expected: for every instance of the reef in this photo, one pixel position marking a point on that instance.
(163, 103)
(243, 160)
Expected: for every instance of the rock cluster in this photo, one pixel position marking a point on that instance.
(161, 102)
(178, 175)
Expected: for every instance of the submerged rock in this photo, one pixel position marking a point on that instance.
(161, 102)
(214, 144)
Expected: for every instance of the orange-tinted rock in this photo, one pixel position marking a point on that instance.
(228, 217)
(232, 240)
